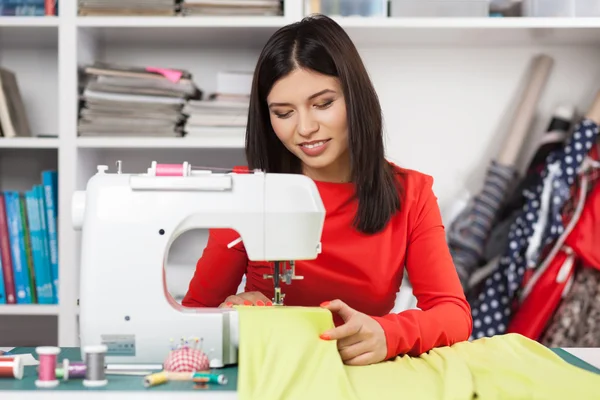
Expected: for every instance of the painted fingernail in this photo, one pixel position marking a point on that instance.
(260, 303)
(325, 304)
(269, 303)
(228, 304)
(247, 303)
(325, 336)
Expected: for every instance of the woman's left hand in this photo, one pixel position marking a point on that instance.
(360, 340)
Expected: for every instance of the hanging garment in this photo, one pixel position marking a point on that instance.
(282, 357)
(538, 225)
(577, 320)
(542, 291)
(553, 139)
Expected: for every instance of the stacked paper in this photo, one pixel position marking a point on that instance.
(231, 7)
(133, 101)
(127, 7)
(215, 118)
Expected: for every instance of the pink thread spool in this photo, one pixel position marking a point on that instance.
(47, 368)
(183, 169)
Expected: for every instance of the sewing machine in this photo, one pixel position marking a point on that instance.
(129, 222)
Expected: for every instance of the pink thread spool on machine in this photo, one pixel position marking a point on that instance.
(186, 359)
(184, 169)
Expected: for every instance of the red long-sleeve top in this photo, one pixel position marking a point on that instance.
(364, 271)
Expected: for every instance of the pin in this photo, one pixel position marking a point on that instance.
(47, 368)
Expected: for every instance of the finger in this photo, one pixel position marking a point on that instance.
(339, 307)
(343, 331)
(260, 299)
(362, 359)
(236, 300)
(351, 352)
(349, 341)
(255, 298)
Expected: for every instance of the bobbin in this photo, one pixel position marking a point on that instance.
(14, 364)
(47, 368)
(95, 368)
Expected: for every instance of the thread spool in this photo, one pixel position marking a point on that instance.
(156, 379)
(47, 367)
(200, 377)
(94, 363)
(73, 370)
(11, 367)
(173, 169)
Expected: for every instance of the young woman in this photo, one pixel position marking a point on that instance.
(313, 110)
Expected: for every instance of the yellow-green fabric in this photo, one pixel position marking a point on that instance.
(282, 357)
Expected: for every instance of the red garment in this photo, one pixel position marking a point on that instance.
(581, 244)
(364, 271)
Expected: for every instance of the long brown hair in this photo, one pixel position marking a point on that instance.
(318, 43)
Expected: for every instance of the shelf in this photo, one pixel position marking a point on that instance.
(26, 309)
(214, 31)
(154, 143)
(382, 32)
(29, 22)
(29, 143)
(18, 31)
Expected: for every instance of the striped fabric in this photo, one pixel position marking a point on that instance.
(468, 233)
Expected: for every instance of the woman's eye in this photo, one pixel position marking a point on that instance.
(324, 105)
(284, 115)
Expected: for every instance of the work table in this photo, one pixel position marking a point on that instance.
(132, 388)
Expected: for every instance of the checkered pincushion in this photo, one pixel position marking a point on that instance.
(186, 360)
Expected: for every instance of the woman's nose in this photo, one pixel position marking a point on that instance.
(307, 125)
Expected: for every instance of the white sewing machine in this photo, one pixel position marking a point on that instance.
(129, 222)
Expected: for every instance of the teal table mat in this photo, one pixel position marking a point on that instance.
(115, 382)
(133, 383)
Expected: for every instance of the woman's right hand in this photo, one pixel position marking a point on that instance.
(247, 299)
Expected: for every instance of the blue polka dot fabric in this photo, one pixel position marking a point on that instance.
(538, 225)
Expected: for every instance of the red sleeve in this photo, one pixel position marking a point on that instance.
(444, 315)
(218, 272)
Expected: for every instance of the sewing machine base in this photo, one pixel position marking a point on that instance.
(127, 344)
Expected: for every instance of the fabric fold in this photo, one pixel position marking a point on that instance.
(282, 357)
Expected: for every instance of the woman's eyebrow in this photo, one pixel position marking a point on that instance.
(312, 96)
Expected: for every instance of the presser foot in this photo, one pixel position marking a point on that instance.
(278, 298)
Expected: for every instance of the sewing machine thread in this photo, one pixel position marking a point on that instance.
(94, 362)
(11, 367)
(210, 378)
(155, 379)
(173, 169)
(72, 370)
(47, 368)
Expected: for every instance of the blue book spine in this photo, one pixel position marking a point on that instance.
(50, 184)
(17, 246)
(2, 287)
(22, 7)
(39, 194)
(43, 278)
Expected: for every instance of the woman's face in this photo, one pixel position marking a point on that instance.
(308, 115)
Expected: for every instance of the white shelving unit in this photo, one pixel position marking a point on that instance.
(447, 87)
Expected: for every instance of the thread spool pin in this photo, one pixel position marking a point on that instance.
(47, 369)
